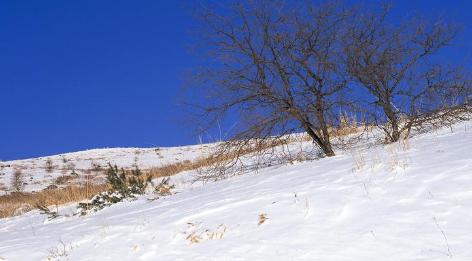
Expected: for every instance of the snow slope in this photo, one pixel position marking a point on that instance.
(405, 201)
(37, 177)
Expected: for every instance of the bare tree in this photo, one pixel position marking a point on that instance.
(276, 65)
(49, 166)
(398, 66)
(17, 182)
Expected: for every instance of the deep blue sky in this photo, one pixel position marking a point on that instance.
(79, 75)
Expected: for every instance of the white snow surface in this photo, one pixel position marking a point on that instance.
(36, 176)
(405, 201)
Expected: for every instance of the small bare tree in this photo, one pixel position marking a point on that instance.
(398, 67)
(17, 182)
(275, 64)
(49, 166)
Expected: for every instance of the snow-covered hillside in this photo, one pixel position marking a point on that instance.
(404, 201)
(39, 173)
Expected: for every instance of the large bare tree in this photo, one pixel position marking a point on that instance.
(398, 65)
(276, 65)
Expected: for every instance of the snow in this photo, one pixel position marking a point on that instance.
(36, 176)
(403, 201)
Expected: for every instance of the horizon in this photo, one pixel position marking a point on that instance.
(87, 75)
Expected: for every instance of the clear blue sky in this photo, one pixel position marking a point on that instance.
(78, 75)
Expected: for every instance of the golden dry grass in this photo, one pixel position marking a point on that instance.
(18, 203)
(262, 219)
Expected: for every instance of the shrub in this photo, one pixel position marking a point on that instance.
(17, 183)
(46, 211)
(95, 166)
(49, 166)
(123, 187)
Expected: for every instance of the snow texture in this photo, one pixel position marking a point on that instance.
(406, 201)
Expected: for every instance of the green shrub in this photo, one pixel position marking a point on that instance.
(123, 186)
(46, 211)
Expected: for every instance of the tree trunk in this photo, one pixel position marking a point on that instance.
(394, 134)
(325, 146)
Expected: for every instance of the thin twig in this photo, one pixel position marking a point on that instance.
(368, 194)
(445, 238)
(32, 228)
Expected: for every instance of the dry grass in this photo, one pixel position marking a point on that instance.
(398, 152)
(18, 202)
(359, 160)
(196, 235)
(64, 179)
(172, 169)
(262, 219)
